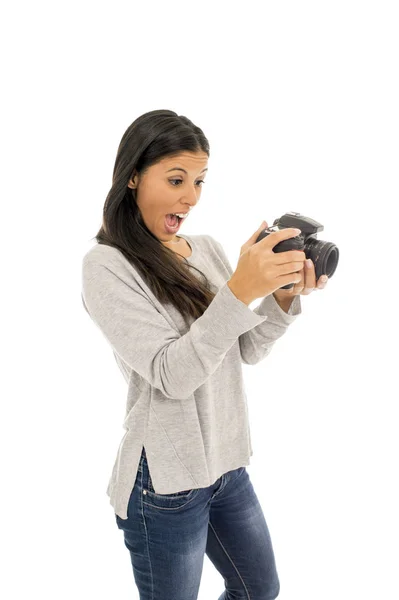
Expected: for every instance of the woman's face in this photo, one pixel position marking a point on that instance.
(165, 189)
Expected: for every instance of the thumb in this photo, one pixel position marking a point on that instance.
(252, 239)
(262, 227)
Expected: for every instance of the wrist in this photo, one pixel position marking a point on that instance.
(284, 302)
(235, 288)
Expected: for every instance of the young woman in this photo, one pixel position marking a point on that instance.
(178, 321)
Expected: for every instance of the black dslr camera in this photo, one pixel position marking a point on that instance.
(324, 255)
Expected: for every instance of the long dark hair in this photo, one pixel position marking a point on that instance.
(150, 138)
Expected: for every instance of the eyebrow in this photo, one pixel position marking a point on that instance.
(184, 171)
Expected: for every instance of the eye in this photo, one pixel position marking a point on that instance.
(200, 181)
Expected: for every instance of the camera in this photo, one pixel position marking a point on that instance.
(324, 255)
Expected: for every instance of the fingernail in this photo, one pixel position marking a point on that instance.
(323, 278)
(308, 263)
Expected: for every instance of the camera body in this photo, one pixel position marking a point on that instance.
(324, 255)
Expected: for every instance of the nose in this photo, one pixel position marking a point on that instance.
(192, 196)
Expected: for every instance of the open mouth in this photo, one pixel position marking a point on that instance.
(172, 223)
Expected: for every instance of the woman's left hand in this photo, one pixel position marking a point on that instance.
(306, 285)
(308, 275)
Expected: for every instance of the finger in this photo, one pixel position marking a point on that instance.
(261, 228)
(310, 275)
(254, 236)
(288, 268)
(301, 284)
(290, 256)
(321, 283)
(297, 285)
(274, 238)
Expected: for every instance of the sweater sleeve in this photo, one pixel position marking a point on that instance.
(145, 340)
(256, 344)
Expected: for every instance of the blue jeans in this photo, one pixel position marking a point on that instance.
(168, 535)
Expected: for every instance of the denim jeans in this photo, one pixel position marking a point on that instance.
(168, 535)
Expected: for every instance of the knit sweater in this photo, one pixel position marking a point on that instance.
(186, 401)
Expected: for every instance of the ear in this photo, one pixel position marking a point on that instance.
(133, 182)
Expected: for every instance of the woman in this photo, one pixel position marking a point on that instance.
(178, 321)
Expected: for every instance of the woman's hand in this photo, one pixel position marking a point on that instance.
(305, 286)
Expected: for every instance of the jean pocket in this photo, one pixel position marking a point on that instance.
(149, 488)
(174, 501)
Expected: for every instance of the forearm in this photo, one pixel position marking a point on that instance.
(284, 303)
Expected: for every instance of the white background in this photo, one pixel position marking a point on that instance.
(299, 101)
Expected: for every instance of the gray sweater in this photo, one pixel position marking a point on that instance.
(186, 400)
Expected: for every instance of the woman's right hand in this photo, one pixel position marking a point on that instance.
(260, 271)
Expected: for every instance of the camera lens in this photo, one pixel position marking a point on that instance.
(324, 255)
